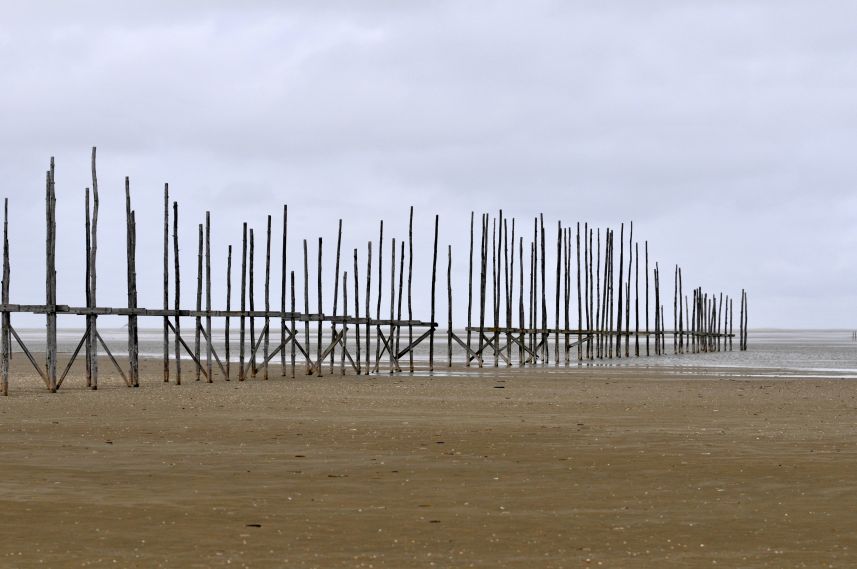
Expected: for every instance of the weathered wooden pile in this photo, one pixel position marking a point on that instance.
(608, 324)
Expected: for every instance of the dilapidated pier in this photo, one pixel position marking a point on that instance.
(600, 307)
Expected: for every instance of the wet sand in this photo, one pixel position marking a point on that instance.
(540, 468)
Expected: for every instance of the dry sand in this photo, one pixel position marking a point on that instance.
(544, 468)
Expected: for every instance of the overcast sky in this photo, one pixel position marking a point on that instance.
(726, 130)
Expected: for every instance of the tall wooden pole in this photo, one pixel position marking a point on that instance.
(198, 319)
(307, 343)
(242, 339)
(166, 282)
(368, 306)
(177, 294)
(251, 298)
(93, 322)
(320, 304)
(357, 313)
(5, 350)
(449, 306)
(228, 308)
(51, 280)
(266, 346)
(380, 293)
(336, 290)
(410, 275)
(88, 350)
(579, 300)
(433, 286)
(283, 292)
(209, 338)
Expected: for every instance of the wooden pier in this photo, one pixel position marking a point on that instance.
(586, 278)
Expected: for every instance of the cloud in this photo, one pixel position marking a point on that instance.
(724, 129)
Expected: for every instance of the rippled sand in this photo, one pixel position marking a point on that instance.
(538, 468)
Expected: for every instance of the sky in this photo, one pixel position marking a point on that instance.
(724, 130)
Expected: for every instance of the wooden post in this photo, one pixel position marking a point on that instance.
(410, 275)
(401, 289)
(319, 328)
(628, 294)
(579, 300)
(559, 256)
(390, 342)
(675, 310)
(198, 319)
(336, 292)
(637, 299)
(306, 309)
(266, 346)
(357, 312)
(5, 350)
(597, 323)
(93, 323)
(51, 280)
(135, 340)
(177, 295)
(368, 306)
(88, 343)
(229, 307)
(166, 283)
(620, 307)
(521, 321)
(433, 283)
(208, 336)
(251, 290)
(292, 321)
(544, 332)
(345, 323)
(510, 276)
(449, 306)
(646, 247)
(242, 319)
(470, 293)
(283, 293)
(567, 288)
(380, 294)
(494, 287)
(482, 284)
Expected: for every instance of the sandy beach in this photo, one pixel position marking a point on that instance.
(558, 467)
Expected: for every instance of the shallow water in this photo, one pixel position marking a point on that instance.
(771, 353)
